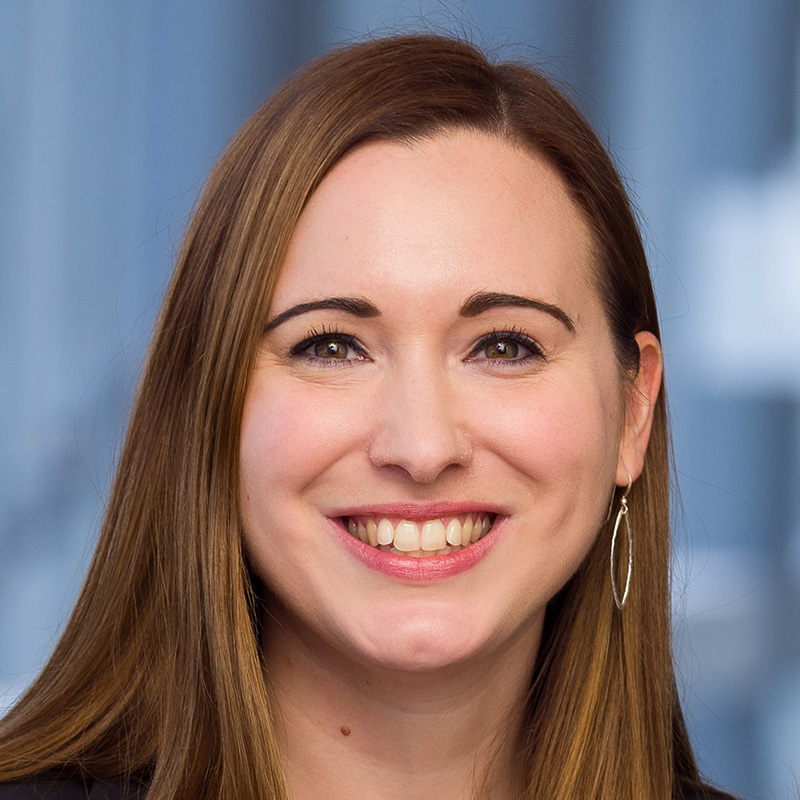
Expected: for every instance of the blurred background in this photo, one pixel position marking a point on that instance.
(111, 116)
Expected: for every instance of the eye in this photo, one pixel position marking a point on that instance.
(507, 347)
(503, 348)
(328, 348)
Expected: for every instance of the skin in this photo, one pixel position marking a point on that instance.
(397, 688)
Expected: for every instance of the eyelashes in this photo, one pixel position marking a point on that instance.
(329, 347)
(332, 347)
(507, 348)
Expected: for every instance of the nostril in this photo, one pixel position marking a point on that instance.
(419, 430)
(422, 458)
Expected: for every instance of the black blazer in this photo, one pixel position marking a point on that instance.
(54, 788)
(43, 788)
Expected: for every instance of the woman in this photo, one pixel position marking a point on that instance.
(400, 426)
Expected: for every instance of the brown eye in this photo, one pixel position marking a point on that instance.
(509, 348)
(331, 348)
(502, 348)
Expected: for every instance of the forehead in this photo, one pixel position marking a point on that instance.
(462, 208)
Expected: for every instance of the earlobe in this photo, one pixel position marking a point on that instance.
(640, 402)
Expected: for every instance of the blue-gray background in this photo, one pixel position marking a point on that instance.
(112, 114)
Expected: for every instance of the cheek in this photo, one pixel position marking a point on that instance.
(280, 452)
(289, 435)
(561, 439)
(559, 429)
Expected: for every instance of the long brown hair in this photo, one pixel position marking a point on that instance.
(158, 670)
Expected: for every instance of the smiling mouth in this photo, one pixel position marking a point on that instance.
(433, 537)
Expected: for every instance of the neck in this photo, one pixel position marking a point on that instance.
(350, 729)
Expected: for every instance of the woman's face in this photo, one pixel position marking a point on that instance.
(437, 363)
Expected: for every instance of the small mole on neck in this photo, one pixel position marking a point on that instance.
(345, 730)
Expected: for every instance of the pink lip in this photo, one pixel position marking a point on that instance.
(417, 512)
(432, 568)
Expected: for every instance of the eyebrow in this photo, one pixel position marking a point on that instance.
(356, 306)
(483, 301)
(474, 305)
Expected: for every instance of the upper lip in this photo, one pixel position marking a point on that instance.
(418, 511)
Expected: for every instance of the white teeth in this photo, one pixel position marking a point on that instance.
(420, 553)
(433, 535)
(408, 539)
(466, 530)
(453, 535)
(407, 536)
(362, 533)
(385, 532)
(372, 532)
(477, 530)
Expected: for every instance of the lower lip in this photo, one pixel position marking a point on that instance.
(430, 568)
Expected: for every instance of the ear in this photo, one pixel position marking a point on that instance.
(640, 402)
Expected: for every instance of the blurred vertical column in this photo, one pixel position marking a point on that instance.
(560, 36)
(701, 100)
(112, 115)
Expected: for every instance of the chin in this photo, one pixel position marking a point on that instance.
(421, 654)
(424, 643)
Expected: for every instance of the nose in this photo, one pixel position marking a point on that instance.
(418, 430)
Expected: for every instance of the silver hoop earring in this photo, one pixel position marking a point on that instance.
(622, 513)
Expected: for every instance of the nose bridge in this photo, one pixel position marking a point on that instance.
(419, 428)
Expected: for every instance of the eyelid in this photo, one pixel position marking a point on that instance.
(327, 334)
(514, 334)
(351, 341)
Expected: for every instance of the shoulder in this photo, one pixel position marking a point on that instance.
(44, 787)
